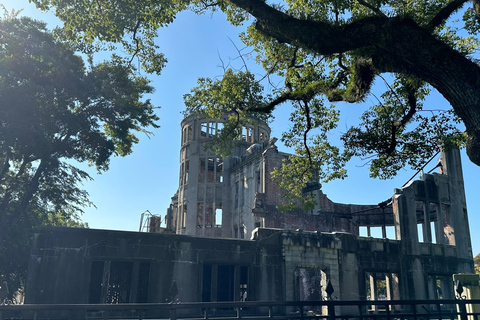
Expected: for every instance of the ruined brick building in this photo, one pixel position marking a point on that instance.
(226, 240)
(231, 197)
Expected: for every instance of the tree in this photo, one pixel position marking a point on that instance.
(55, 112)
(326, 49)
(476, 263)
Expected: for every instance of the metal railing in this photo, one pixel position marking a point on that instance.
(326, 310)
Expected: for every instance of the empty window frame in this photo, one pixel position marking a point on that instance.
(429, 227)
(211, 169)
(200, 214)
(112, 282)
(204, 130)
(250, 137)
(448, 230)
(119, 284)
(441, 287)
(218, 169)
(186, 134)
(201, 172)
(381, 286)
(224, 283)
(258, 181)
(186, 172)
(218, 214)
(244, 134)
(263, 136)
(422, 225)
(209, 215)
(184, 214)
(210, 129)
(309, 282)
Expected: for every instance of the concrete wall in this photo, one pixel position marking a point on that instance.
(62, 261)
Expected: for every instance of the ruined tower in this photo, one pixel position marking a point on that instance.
(202, 205)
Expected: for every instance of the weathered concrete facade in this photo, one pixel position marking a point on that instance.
(229, 198)
(203, 204)
(100, 266)
(286, 257)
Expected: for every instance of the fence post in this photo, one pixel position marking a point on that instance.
(463, 309)
(173, 314)
(331, 311)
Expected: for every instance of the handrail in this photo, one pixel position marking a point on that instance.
(385, 309)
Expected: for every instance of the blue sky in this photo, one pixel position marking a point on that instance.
(197, 46)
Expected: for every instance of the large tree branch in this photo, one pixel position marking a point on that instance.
(314, 35)
(297, 95)
(394, 44)
(445, 13)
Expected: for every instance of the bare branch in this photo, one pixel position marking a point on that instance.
(223, 63)
(305, 135)
(412, 104)
(137, 42)
(239, 53)
(391, 89)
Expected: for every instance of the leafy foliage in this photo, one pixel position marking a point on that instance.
(476, 263)
(327, 51)
(238, 95)
(53, 111)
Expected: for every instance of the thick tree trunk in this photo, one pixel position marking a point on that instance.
(395, 45)
(412, 50)
(9, 215)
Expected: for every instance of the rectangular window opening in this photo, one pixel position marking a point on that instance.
(421, 227)
(189, 133)
(363, 231)
(200, 214)
(309, 287)
(118, 290)
(243, 283)
(201, 173)
(184, 215)
(381, 286)
(187, 169)
(211, 170)
(420, 232)
(143, 281)
(225, 283)
(218, 169)
(432, 230)
(244, 133)
(96, 282)
(213, 129)
(208, 214)
(390, 232)
(204, 130)
(218, 214)
(207, 283)
(448, 230)
(433, 216)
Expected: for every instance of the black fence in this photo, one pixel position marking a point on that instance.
(326, 310)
